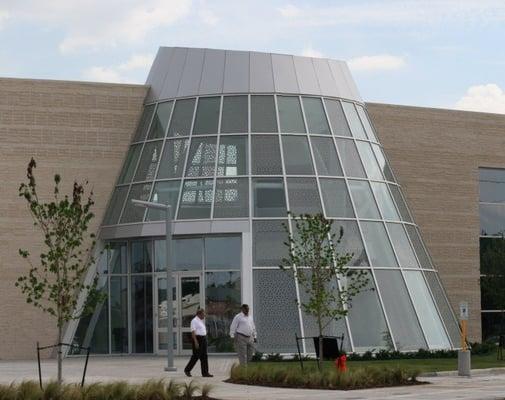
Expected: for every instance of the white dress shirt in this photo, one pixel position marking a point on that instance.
(244, 325)
(198, 326)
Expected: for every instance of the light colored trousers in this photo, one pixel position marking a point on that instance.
(245, 348)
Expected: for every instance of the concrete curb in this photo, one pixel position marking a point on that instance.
(474, 372)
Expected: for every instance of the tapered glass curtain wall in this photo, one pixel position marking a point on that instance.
(253, 157)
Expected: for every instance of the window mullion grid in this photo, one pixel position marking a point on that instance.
(365, 246)
(290, 227)
(249, 163)
(129, 295)
(183, 172)
(216, 163)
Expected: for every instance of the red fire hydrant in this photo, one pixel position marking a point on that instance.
(341, 363)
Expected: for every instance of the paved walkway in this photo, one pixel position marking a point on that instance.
(137, 369)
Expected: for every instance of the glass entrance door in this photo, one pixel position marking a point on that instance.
(187, 298)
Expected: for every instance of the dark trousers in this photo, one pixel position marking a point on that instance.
(199, 354)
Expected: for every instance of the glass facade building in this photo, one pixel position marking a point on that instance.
(233, 141)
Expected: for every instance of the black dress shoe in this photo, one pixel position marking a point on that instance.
(208, 376)
(187, 373)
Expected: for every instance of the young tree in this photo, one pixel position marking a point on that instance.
(54, 282)
(318, 267)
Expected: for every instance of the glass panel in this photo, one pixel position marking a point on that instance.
(131, 212)
(130, 164)
(196, 199)
(400, 203)
(353, 119)
(266, 155)
(326, 156)
(366, 123)
(366, 319)
(297, 159)
(402, 317)
(290, 114)
(146, 170)
(162, 304)
(233, 157)
(304, 196)
(268, 242)
(160, 255)
(314, 113)
(444, 307)
(116, 258)
(188, 254)
(492, 185)
(235, 111)
(119, 314)
(160, 121)
(275, 310)
(379, 249)
(337, 118)
(422, 255)
(93, 330)
(268, 197)
(337, 202)
(383, 164)
(492, 325)
(402, 246)
(142, 256)
(166, 192)
(190, 299)
(202, 157)
(350, 159)
(172, 160)
(263, 117)
(231, 199)
(385, 201)
(207, 115)
(222, 303)
(363, 200)
(182, 117)
(144, 122)
(223, 252)
(426, 311)
(492, 256)
(367, 156)
(115, 205)
(350, 243)
(142, 313)
(492, 219)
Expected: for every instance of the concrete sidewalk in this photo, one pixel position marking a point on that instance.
(138, 369)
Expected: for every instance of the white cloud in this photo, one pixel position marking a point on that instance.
(118, 73)
(381, 62)
(309, 51)
(4, 15)
(485, 98)
(207, 16)
(403, 12)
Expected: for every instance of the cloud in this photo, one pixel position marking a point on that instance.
(403, 12)
(4, 15)
(309, 51)
(485, 98)
(118, 73)
(381, 62)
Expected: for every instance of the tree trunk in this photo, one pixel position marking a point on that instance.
(320, 360)
(60, 355)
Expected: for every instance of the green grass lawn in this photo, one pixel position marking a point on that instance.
(423, 365)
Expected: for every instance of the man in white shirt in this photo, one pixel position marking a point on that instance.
(243, 331)
(199, 345)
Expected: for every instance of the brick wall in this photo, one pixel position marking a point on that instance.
(79, 130)
(436, 155)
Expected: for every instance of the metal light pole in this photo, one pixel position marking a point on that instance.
(168, 254)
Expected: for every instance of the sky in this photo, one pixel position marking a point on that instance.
(433, 53)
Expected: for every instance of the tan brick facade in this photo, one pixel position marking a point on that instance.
(79, 130)
(436, 155)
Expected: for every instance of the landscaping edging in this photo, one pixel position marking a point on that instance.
(474, 372)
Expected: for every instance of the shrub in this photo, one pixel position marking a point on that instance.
(311, 378)
(150, 390)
